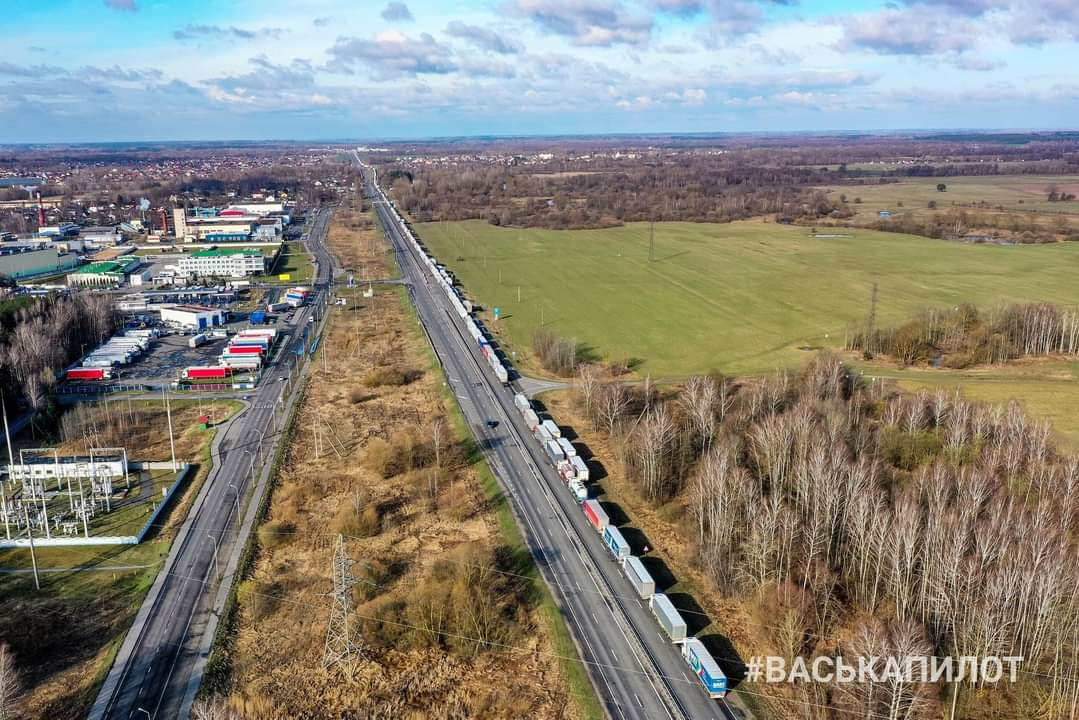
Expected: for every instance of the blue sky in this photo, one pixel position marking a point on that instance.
(103, 70)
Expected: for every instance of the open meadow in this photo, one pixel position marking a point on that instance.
(1022, 194)
(744, 297)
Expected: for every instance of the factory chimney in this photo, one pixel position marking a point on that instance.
(40, 212)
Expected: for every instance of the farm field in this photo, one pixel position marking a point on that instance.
(1014, 193)
(742, 298)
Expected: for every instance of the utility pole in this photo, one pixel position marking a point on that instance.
(168, 413)
(10, 467)
(652, 241)
(30, 534)
(342, 650)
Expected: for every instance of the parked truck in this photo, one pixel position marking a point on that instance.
(520, 401)
(580, 468)
(579, 491)
(552, 428)
(567, 448)
(669, 618)
(617, 544)
(595, 514)
(88, 373)
(501, 373)
(705, 667)
(196, 340)
(639, 578)
(531, 420)
(277, 306)
(554, 451)
(207, 372)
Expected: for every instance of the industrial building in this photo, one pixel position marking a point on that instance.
(37, 465)
(107, 273)
(25, 261)
(236, 223)
(192, 317)
(224, 262)
(101, 235)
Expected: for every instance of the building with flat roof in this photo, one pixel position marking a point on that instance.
(25, 261)
(101, 235)
(192, 317)
(107, 273)
(212, 228)
(224, 262)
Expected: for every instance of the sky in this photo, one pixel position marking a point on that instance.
(130, 70)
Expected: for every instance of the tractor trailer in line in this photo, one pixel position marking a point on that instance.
(669, 618)
(639, 578)
(704, 665)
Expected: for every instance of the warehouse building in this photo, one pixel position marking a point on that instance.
(224, 262)
(192, 317)
(26, 261)
(202, 227)
(107, 273)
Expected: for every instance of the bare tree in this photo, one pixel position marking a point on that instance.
(10, 684)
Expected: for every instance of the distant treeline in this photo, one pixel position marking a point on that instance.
(962, 336)
(699, 189)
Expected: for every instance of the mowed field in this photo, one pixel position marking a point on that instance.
(746, 297)
(1014, 193)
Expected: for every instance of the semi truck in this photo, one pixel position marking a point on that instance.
(88, 373)
(520, 401)
(196, 340)
(501, 373)
(207, 372)
(705, 667)
(669, 618)
(639, 578)
(617, 544)
(596, 514)
(552, 428)
(277, 306)
(554, 452)
(246, 349)
(580, 468)
(567, 448)
(531, 419)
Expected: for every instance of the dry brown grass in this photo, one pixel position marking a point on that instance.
(406, 520)
(355, 239)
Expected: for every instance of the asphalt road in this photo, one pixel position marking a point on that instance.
(636, 671)
(158, 660)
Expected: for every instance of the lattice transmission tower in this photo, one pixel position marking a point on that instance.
(344, 646)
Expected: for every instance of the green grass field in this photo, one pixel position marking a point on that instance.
(744, 297)
(1015, 193)
(294, 261)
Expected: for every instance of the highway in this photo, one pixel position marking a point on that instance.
(636, 671)
(163, 654)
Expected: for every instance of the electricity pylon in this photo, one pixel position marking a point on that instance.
(343, 649)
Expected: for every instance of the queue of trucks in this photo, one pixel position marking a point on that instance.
(574, 471)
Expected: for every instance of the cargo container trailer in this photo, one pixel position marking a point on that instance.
(541, 434)
(85, 373)
(207, 372)
(617, 544)
(277, 306)
(669, 619)
(98, 363)
(706, 668)
(531, 419)
(520, 401)
(639, 578)
(254, 341)
(246, 350)
(565, 471)
(254, 332)
(196, 340)
(241, 364)
(502, 373)
(567, 448)
(596, 514)
(554, 452)
(580, 467)
(552, 427)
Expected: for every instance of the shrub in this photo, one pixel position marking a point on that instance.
(275, 533)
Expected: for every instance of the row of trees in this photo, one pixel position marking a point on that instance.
(963, 336)
(48, 335)
(967, 548)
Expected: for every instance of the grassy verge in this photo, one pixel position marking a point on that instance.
(294, 261)
(580, 687)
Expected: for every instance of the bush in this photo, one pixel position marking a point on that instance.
(358, 523)
(258, 598)
(910, 450)
(391, 376)
(557, 354)
(275, 533)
